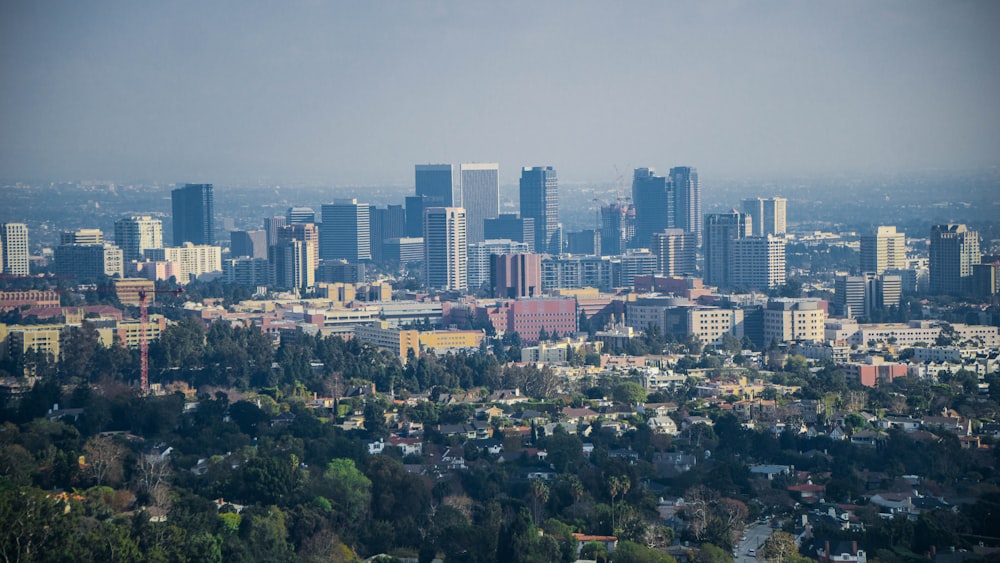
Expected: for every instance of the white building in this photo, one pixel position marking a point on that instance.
(137, 234)
(191, 260)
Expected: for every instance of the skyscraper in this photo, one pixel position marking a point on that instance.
(386, 224)
(757, 262)
(510, 226)
(252, 244)
(271, 226)
(516, 276)
(654, 199)
(720, 230)
(617, 228)
(435, 181)
(14, 249)
(137, 233)
(954, 250)
(883, 249)
(445, 248)
(480, 259)
(675, 252)
(540, 201)
(193, 214)
(300, 214)
(480, 196)
(768, 214)
(82, 236)
(346, 231)
(688, 197)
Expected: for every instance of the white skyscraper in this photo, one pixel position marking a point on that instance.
(14, 248)
(883, 249)
(135, 234)
(768, 215)
(445, 248)
(757, 262)
(480, 196)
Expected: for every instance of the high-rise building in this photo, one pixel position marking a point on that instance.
(300, 214)
(271, 226)
(787, 320)
(445, 248)
(246, 271)
(436, 183)
(540, 201)
(635, 262)
(82, 236)
(404, 250)
(306, 232)
(584, 242)
(883, 249)
(757, 262)
(510, 226)
(687, 192)
(676, 252)
(516, 276)
(252, 244)
(190, 260)
(14, 249)
(768, 214)
(863, 295)
(954, 250)
(346, 231)
(88, 261)
(415, 205)
(480, 196)
(618, 224)
(720, 230)
(193, 214)
(291, 262)
(480, 258)
(388, 223)
(655, 199)
(137, 233)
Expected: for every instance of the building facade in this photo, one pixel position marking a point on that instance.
(248, 244)
(480, 185)
(193, 214)
(346, 231)
(954, 250)
(89, 261)
(436, 183)
(655, 206)
(511, 226)
(14, 249)
(883, 249)
(190, 260)
(137, 233)
(481, 255)
(539, 197)
(768, 215)
(720, 230)
(757, 262)
(445, 248)
(516, 276)
(676, 252)
(687, 215)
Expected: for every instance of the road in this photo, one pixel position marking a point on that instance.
(755, 534)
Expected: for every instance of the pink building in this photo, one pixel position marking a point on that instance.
(528, 317)
(516, 276)
(875, 374)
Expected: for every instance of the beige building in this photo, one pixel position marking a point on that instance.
(883, 249)
(710, 324)
(191, 260)
(788, 320)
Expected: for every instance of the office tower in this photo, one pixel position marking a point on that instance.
(388, 223)
(252, 244)
(986, 279)
(635, 262)
(404, 250)
(191, 261)
(768, 215)
(883, 249)
(445, 248)
(676, 252)
(436, 183)
(510, 226)
(14, 249)
(137, 233)
(687, 194)
(305, 232)
(757, 262)
(271, 226)
(865, 294)
(540, 201)
(246, 271)
(415, 205)
(584, 242)
(654, 197)
(292, 263)
(514, 276)
(82, 236)
(720, 230)
(480, 259)
(88, 261)
(346, 231)
(618, 223)
(480, 196)
(300, 214)
(193, 214)
(954, 250)
(787, 320)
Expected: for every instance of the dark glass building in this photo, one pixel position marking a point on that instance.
(193, 214)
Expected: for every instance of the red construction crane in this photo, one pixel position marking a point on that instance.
(143, 337)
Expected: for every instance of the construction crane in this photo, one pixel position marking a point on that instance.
(144, 336)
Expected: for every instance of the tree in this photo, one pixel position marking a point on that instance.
(539, 496)
(103, 458)
(779, 546)
(617, 486)
(630, 552)
(629, 392)
(348, 488)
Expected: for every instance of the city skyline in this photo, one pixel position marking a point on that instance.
(342, 94)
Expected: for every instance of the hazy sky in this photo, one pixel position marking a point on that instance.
(357, 92)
